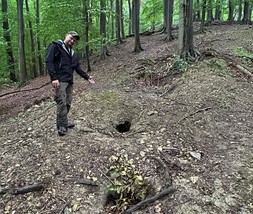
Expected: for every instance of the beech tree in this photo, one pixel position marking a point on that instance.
(21, 42)
(7, 38)
(137, 46)
(33, 73)
(186, 48)
(103, 29)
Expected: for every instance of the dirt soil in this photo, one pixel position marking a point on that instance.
(198, 123)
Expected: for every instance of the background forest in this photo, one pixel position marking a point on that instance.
(28, 26)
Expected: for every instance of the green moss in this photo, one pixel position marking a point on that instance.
(108, 98)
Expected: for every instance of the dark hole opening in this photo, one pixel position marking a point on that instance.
(123, 127)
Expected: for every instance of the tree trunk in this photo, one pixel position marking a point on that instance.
(122, 20)
(218, 10)
(86, 22)
(130, 18)
(119, 40)
(7, 38)
(165, 13)
(231, 11)
(21, 45)
(239, 10)
(170, 20)
(33, 73)
(246, 12)
(186, 49)
(112, 18)
(103, 29)
(137, 47)
(210, 12)
(202, 25)
(40, 64)
(197, 12)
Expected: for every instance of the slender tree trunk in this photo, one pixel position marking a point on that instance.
(231, 11)
(130, 18)
(103, 29)
(202, 25)
(170, 20)
(165, 14)
(122, 20)
(210, 12)
(246, 12)
(197, 12)
(239, 10)
(119, 40)
(137, 47)
(86, 22)
(7, 38)
(186, 48)
(112, 18)
(40, 64)
(34, 73)
(21, 40)
(218, 10)
(133, 20)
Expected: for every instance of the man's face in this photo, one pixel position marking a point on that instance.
(70, 40)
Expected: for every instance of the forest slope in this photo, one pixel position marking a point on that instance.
(199, 123)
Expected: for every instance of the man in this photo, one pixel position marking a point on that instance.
(61, 62)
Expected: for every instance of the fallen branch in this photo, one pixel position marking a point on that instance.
(87, 182)
(152, 199)
(26, 189)
(193, 113)
(25, 90)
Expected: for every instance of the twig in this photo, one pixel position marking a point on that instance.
(193, 113)
(107, 177)
(152, 199)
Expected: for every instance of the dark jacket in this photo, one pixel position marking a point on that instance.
(61, 64)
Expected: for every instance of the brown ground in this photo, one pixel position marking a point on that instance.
(201, 128)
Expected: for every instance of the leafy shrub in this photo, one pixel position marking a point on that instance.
(127, 186)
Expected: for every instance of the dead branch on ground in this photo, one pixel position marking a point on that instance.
(152, 199)
(23, 190)
(25, 90)
(193, 113)
(231, 62)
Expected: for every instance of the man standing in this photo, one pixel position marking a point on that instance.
(61, 63)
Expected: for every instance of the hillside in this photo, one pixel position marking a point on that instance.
(195, 127)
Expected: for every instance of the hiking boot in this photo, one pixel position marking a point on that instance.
(62, 131)
(71, 125)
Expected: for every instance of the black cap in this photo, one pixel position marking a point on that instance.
(74, 34)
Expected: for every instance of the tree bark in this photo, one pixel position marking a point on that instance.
(103, 29)
(33, 72)
(186, 48)
(39, 55)
(137, 47)
(21, 40)
(86, 23)
(7, 38)
(119, 40)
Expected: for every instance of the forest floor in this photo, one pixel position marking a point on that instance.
(195, 125)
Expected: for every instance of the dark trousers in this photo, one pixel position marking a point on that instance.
(63, 98)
